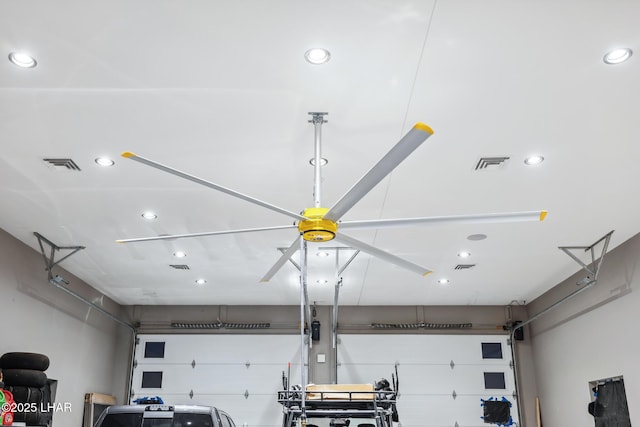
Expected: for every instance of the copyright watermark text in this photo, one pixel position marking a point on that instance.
(35, 407)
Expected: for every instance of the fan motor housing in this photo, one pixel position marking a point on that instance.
(316, 228)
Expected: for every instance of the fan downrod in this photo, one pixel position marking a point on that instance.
(316, 228)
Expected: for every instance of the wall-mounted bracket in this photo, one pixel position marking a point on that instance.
(49, 260)
(593, 268)
(58, 281)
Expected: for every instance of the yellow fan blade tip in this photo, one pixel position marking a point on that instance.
(423, 127)
(119, 241)
(128, 154)
(427, 273)
(543, 215)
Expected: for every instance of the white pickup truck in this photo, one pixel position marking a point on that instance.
(163, 416)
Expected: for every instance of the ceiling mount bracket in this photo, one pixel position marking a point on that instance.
(49, 260)
(593, 268)
(317, 118)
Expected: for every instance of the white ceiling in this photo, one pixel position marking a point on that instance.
(221, 90)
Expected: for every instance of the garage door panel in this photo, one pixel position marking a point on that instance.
(474, 418)
(436, 379)
(433, 376)
(232, 372)
(230, 349)
(433, 410)
(236, 374)
(355, 373)
(470, 378)
(432, 369)
(437, 411)
(429, 349)
(219, 378)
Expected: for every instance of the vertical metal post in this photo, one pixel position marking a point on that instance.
(317, 166)
(334, 338)
(303, 347)
(317, 120)
(335, 330)
(131, 363)
(338, 282)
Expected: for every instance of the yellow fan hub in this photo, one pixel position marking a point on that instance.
(316, 228)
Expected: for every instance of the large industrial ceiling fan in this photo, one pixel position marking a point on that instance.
(321, 224)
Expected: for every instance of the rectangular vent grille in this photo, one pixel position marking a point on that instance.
(464, 266)
(220, 325)
(179, 266)
(421, 325)
(491, 163)
(62, 164)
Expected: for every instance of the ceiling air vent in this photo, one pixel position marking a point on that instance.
(464, 266)
(179, 266)
(61, 164)
(491, 163)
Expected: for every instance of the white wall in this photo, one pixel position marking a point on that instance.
(80, 342)
(590, 337)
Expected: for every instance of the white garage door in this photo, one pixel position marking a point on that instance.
(239, 374)
(444, 379)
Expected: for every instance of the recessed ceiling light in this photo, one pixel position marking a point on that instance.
(443, 281)
(322, 254)
(200, 282)
(22, 60)
(322, 281)
(617, 56)
(149, 215)
(533, 160)
(179, 254)
(464, 254)
(323, 161)
(475, 237)
(105, 161)
(317, 56)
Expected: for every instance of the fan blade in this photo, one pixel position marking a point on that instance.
(386, 256)
(282, 261)
(478, 218)
(206, 233)
(412, 140)
(148, 162)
